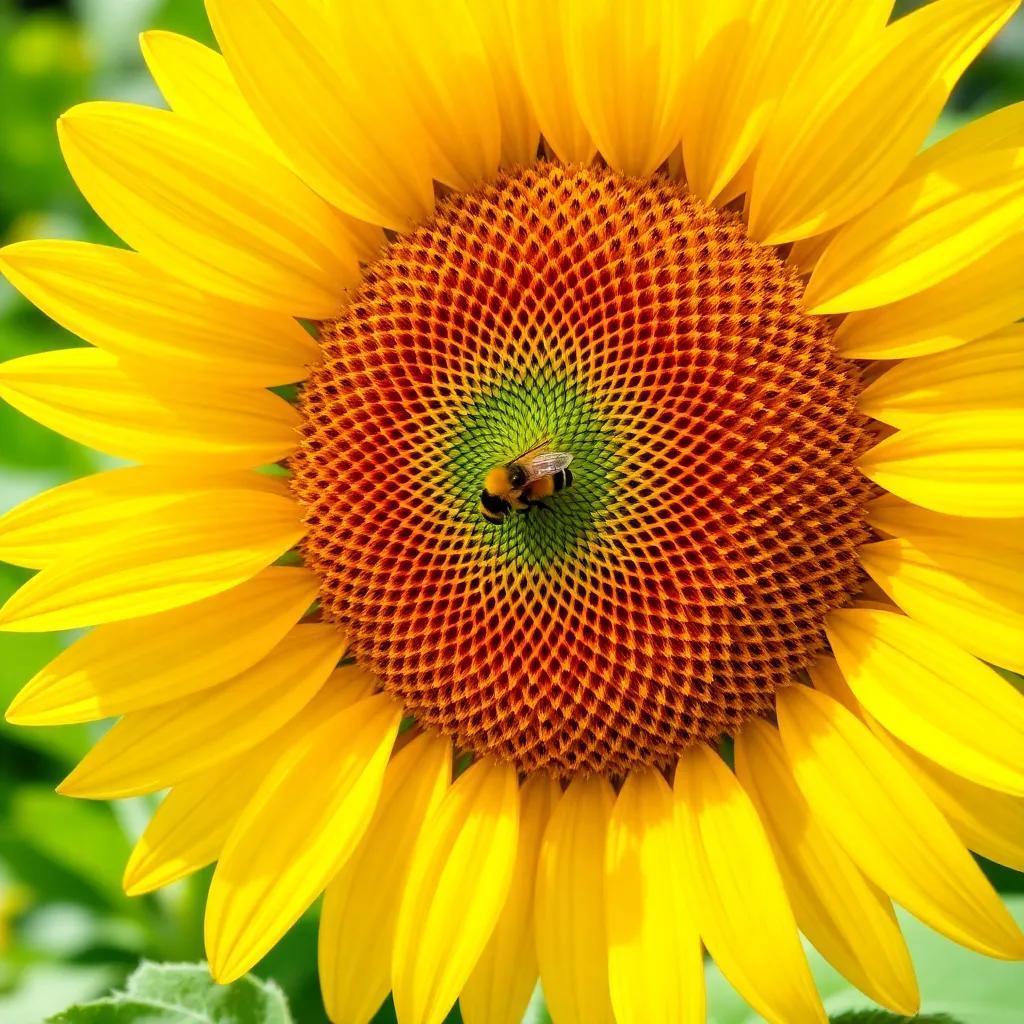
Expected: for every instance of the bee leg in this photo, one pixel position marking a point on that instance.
(537, 503)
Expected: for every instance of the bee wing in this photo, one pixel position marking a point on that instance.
(545, 464)
(532, 450)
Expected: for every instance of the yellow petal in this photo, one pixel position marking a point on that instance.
(117, 301)
(732, 86)
(738, 185)
(805, 253)
(1002, 129)
(655, 958)
(974, 597)
(160, 746)
(448, 83)
(816, 39)
(744, 916)
(459, 876)
(932, 695)
(888, 826)
(571, 935)
(967, 464)
(125, 666)
(849, 920)
(85, 394)
(326, 96)
(302, 824)
(986, 375)
(60, 524)
(977, 300)
(921, 234)
(827, 31)
(987, 822)
(181, 553)
(191, 825)
(360, 910)
(202, 813)
(539, 41)
(209, 208)
(625, 63)
(197, 83)
(833, 151)
(826, 676)
(499, 989)
(520, 134)
(925, 528)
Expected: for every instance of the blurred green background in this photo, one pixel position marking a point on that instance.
(67, 933)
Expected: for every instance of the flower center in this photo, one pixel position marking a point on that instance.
(714, 510)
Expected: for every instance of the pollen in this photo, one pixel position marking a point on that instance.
(715, 508)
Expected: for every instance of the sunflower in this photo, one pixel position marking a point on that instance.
(733, 681)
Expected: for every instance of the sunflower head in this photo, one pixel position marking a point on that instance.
(693, 250)
(715, 508)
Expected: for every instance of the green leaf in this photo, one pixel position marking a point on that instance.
(122, 1011)
(183, 994)
(182, 985)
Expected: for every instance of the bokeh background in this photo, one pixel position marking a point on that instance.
(67, 932)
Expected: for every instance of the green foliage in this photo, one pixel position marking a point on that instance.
(881, 1017)
(183, 994)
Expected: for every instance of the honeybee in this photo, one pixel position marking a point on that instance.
(525, 482)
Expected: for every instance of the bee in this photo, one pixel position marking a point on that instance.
(525, 482)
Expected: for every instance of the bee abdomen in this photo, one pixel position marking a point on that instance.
(561, 480)
(493, 508)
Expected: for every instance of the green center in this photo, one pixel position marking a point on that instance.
(506, 420)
